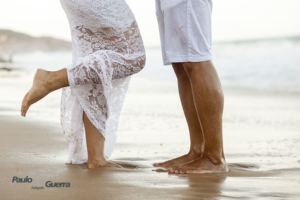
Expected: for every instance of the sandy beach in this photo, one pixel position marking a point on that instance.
(261, 138)
(255, 49)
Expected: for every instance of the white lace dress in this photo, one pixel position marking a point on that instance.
(107, 50)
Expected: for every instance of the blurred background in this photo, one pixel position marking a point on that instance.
(256, 52)
(256, 42)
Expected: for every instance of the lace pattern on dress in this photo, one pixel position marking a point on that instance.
(107, 50)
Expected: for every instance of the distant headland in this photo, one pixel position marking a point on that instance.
(12, 43)
(16, 42)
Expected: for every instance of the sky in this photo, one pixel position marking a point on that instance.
(232, 19)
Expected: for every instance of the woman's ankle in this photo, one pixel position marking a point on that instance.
(57, 79)
(99, 161)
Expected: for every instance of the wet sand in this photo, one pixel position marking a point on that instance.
(261, 136)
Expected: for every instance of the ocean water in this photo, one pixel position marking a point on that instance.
(272, 65)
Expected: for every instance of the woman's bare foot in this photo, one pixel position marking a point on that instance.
(44, 82)
(96, 164)
(39, 90)
(180, 160)
(202, 165)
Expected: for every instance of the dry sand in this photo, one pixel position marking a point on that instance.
(261, 136)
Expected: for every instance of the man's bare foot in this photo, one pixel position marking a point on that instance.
(202, 165)
(39, 90)
(178, 161)
(96, 164)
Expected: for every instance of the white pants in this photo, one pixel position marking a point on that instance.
(185, 30)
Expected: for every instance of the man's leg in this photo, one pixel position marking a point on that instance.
(187, 102)
(209, 103)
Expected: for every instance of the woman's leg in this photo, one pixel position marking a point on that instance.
(209, 103)
(187, 102)
(95, 146)
(44, 82)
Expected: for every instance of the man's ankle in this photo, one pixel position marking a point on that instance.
(195, 153)
(215, 157)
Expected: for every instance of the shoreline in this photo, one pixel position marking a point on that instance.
(26, 75)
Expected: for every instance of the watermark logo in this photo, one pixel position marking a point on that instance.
(39, 180)
(21, 180)
(51, 184)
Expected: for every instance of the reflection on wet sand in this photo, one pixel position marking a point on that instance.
(261, 137)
